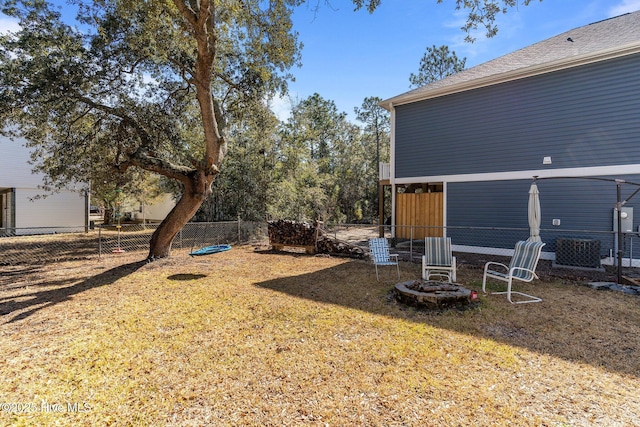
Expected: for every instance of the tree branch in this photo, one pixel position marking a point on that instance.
(160, 166)
(187, 12)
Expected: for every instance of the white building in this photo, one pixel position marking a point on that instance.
(21, 211)
(157, 209)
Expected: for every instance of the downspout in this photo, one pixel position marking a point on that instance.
(444, 209)
(619, 224)
(12, 213)
(392, 169)
(87, 208)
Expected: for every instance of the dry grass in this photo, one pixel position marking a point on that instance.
(255, 338)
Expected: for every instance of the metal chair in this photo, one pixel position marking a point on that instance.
(522, 267)
(380, 255)
(438, 260)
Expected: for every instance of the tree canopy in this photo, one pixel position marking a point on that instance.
(150, 85)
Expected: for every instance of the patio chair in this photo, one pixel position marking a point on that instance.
(522, 267)
(380, 255)
(438, 260)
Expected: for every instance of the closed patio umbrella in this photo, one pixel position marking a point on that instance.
(534, 213)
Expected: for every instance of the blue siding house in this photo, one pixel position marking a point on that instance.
(567, 107)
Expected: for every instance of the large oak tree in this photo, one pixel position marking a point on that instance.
(150, 85)
(146, 84)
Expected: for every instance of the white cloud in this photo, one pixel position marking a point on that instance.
(625, 6)
(8, 25)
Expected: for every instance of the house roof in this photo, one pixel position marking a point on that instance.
(599, 41)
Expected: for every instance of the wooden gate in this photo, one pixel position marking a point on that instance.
(419, 209)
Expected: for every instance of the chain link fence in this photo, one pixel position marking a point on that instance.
(571, 248)
(194, 235)
(583, 249)
(20, 246)
(46, 245)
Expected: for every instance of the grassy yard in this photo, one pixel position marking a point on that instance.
(253, 338)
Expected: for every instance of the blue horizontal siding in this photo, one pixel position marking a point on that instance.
(581, 117)
(488, 204)
(582, 205)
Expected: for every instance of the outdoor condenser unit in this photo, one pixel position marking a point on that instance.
(574, 252)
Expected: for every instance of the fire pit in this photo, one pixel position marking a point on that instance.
(433, 294)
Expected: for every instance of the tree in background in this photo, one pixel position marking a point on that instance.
(321, 164)
(318, 128)
(351, 178)
(315, 166)
(306, 187)
(376, 138)
(436, 63)
(133, 185)
(245, 181)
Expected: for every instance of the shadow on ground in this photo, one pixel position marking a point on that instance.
(26, 304)
(572, 322)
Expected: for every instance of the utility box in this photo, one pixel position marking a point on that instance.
(626, 217)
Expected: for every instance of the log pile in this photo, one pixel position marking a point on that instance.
(292, 233)
(311, 237)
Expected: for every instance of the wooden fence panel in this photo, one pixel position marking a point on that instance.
(419, 209)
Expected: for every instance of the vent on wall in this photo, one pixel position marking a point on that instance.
(581, 253)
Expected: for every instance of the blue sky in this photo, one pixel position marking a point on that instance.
(348, 56)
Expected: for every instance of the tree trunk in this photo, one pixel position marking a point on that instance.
(196, 190)
(106, 218)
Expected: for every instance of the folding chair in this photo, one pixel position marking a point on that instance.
(522, 267)
(380, 255)
(438, 260)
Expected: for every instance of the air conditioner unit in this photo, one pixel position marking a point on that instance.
(574, 252)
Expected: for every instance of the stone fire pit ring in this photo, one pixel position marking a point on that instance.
(432, 294)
